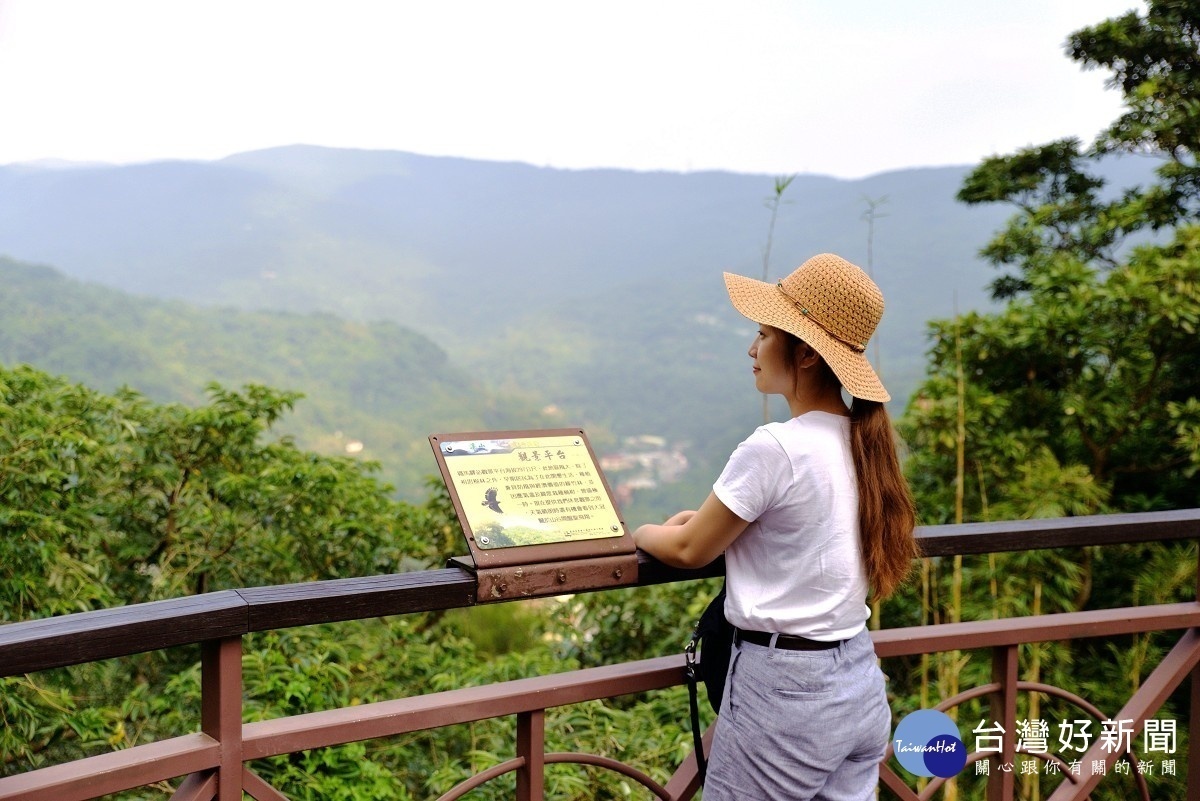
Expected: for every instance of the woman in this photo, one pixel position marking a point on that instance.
(813, 515)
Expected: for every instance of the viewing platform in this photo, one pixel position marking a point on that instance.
(217, 760)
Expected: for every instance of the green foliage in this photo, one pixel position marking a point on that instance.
(109, 500)
(617, 625)
(1079, 396)
(1154, 63)
(113, 499)
(1082, 393)
(1062, 209)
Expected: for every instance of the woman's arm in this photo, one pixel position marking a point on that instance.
(692, 539)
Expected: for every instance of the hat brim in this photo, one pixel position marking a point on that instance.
(764, 303)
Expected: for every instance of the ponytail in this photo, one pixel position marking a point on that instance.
(886, 513)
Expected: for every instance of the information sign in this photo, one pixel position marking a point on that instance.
(525, 497)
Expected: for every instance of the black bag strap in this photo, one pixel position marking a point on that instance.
(693, 679)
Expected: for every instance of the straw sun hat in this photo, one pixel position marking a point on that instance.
(829, 303)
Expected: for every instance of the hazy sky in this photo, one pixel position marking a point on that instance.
(838, 87)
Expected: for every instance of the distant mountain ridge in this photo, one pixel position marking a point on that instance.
(597, 292)
(459, 249)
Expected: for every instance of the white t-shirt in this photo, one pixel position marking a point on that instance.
(797, 568)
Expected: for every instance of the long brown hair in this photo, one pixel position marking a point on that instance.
(886, 512)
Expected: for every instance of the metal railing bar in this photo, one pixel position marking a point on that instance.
(52, 642)
(1061, 532)
(559, 758)
(1193, 713)
(254, 786)
(29, 646)
(332, 727)
(313, 602)
(651, 571)
(226, 616)
(270, 738)
(103, 774)
(46, 643)
(1025, 687)
(531, 747)
(997, 632)
(197, 787)
(467, 785)
(482, 778)
(221, 707)
(890, 780)
(1170, 673)
(466, 705)
(1003, 707)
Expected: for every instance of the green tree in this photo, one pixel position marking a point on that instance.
(108, 500)
(1080, 397)
(1093, 358)
(1081, 394)
(1086, 369)
(1155, 63)
(1062, 207)
(113, 499)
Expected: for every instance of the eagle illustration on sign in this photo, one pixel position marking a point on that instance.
(491, 501)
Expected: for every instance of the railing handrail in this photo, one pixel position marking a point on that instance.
(42, 644)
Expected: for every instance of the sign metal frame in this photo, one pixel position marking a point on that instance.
(603, 556)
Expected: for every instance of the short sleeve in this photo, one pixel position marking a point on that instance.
(756, 477)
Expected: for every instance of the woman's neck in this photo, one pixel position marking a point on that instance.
(817, 399)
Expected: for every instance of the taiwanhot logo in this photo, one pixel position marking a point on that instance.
(927, 743)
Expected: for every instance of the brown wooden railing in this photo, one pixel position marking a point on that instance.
(213, 763)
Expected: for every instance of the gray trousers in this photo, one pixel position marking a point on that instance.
(800, 725)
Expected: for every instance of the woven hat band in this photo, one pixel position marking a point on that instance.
(858, 347)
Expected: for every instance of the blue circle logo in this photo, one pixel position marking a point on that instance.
(927, 743)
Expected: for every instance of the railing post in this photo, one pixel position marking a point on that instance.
(221, 709)
(531, 746)
(1002, 783)
(1193, 772)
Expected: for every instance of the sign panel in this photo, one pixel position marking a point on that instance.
(529, 496)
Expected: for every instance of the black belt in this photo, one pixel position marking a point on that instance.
(788, 642)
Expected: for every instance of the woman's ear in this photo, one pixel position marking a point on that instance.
(807, 356)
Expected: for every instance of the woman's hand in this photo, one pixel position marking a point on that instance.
(691, 539)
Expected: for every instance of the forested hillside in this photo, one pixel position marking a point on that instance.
(375, 390)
